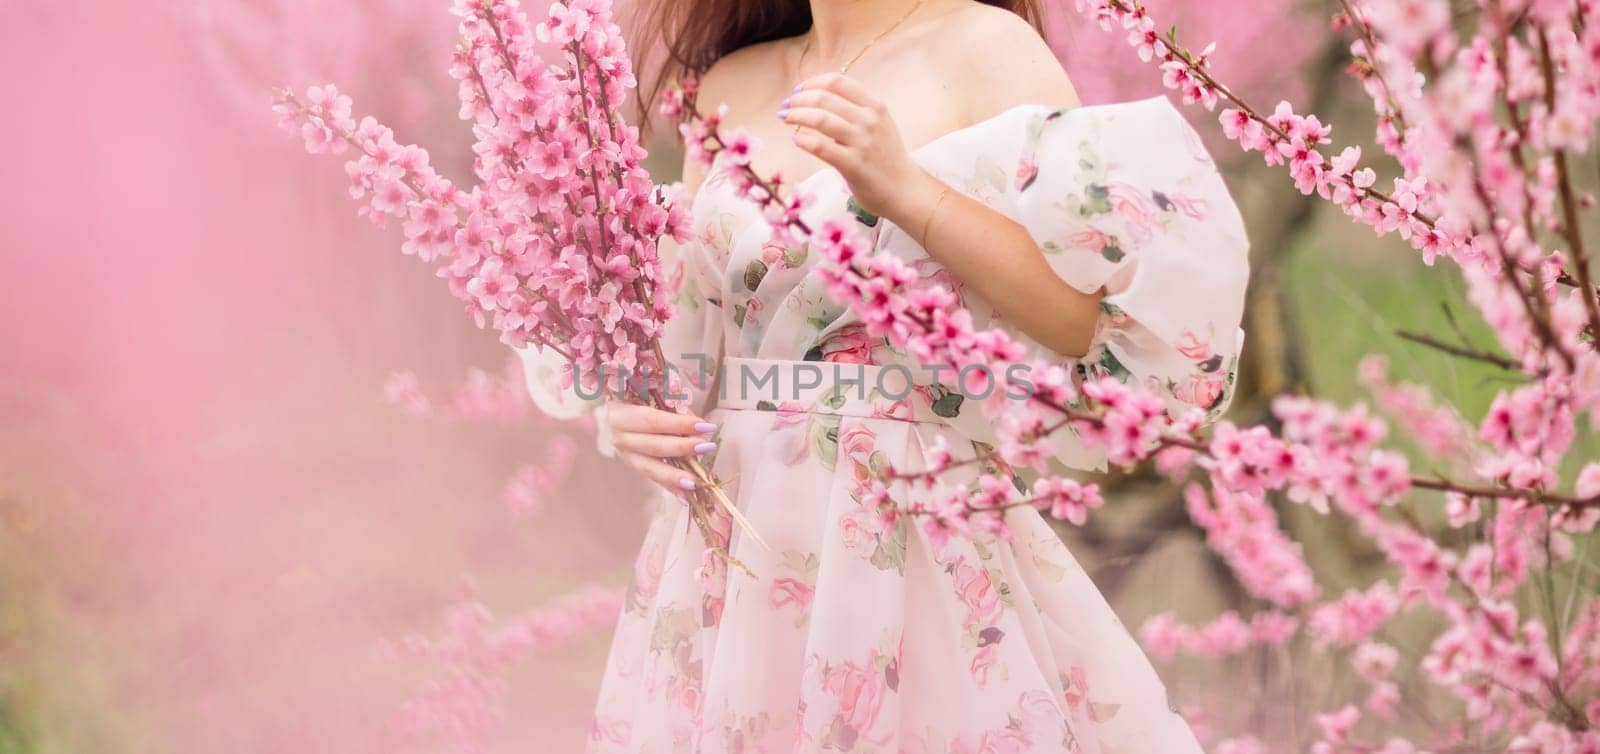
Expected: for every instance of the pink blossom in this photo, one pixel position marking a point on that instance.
(1066, 499)
(402, 390)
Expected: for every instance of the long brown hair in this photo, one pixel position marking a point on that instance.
(693, 34)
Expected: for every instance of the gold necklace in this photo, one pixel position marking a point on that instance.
(846, 67)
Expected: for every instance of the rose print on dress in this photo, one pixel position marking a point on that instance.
(1194, 347)
(978, 592)
(1194, 209)
(859, 689)
(675, 672)
(1075, 685)
(848, 345)
(1199, 390)
(793, 590)
(986, 597)
(845, 700)
(864, 531)
(1027, 172)
(1036, 725)
(605, 731)
(646, 577)
(745, 734)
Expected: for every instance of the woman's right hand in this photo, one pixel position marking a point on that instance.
(646, 436)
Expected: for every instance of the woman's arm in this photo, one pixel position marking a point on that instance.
(851, 130)
(999, 259)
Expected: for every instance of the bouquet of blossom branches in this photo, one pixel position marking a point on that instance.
(556, 245)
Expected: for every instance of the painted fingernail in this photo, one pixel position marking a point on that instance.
(704, 448)
(704, 428)
(686, 484)
(797, 87)
(784, 105)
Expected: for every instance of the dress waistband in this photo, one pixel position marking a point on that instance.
(825, 387)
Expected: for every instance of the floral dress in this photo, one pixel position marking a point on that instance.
(854, 635)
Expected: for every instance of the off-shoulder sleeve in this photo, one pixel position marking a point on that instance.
(1121, 198)
(1125, 198)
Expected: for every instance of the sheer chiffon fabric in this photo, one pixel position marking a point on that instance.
(855, 635)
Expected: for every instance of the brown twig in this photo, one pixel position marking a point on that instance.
(1571, 225)
(1462, 351)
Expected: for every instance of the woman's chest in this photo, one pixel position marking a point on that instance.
(920, 111)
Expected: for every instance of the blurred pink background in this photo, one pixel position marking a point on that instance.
(209, 515)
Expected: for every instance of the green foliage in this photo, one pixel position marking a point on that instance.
(1346, 304)
(12, 740)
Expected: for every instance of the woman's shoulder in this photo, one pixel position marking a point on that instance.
(984, 20)
(743, 69)
(996, 60)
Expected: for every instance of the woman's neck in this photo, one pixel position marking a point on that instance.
(840, 27)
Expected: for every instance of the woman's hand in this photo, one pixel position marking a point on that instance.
(842, 124)
(646, 436)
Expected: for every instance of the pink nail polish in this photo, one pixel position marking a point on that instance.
(686, 484)
(704, 428)
(704, 448)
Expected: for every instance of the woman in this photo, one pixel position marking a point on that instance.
(1102, 236)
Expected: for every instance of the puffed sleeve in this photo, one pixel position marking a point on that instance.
(1125, 198)
(1121, 198)
(548, 377)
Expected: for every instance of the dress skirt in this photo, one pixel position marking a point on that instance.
(853, 634)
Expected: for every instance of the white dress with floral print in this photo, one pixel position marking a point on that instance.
(857, 636)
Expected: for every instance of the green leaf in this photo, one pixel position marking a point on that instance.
(823, 434)
(948, 405)
(1113, 366)
(1051, 569)
(1100, 713)
(1097, 198)
(891, 551)
(862, 215)
(796, 256)
(754, 273)
(989, 171)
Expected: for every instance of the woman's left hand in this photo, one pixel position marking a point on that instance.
(842, 124)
